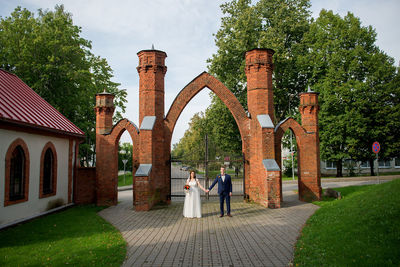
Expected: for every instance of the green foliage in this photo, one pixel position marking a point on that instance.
(354, 79)
(47, 52)
(222, 138)
(191, 146)
(279, 25)
(125, 151)
(76, 237)
(361, 229)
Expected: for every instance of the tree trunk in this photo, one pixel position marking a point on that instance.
(339, 168)
(371, 165)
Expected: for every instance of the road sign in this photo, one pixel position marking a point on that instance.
(376, 147)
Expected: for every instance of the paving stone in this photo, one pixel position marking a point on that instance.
(254, 236)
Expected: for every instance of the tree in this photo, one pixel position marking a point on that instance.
(48, 54)
(278, 24)
(354, 80)
(191, 145)
(125, 151)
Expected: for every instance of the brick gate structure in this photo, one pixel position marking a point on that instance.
(261, 138)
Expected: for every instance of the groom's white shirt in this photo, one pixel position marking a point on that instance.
(223, 178)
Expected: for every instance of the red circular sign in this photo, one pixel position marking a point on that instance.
(376, 147)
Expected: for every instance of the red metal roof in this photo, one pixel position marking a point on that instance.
(20, 104)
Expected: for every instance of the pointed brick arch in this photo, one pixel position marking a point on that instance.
(286, 124)
(193, 88)
(307, 189)
(119, 128)
(107, 156)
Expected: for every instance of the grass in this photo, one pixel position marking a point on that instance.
(362, 229)
(128, 179)
(75, 237)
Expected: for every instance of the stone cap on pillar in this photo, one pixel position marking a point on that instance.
(148, 123)
(143, 170)
(265, 121)
(270, 165)
(105, 99)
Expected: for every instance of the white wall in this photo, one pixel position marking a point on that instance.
(34, 205)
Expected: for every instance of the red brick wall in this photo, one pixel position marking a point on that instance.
(84, 188)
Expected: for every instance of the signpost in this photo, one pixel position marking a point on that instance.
(376, 147)
(124, 161)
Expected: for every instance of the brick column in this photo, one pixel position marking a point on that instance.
(260, 101)
(106, 162)
(260, 92)
(309, 158)
(152, 71)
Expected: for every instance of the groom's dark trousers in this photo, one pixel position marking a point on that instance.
(224, 188)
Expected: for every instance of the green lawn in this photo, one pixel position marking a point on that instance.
(75, 237)
(362, 229)
(128, 179)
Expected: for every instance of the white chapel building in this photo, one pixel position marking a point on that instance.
(38, 153)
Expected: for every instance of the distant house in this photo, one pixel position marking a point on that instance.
(38, 153)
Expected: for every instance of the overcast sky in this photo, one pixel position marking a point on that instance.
(184, 30)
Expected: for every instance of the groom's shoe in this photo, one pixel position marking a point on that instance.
(222, 215)
(229, 215)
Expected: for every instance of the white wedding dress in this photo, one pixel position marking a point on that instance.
(192, 205)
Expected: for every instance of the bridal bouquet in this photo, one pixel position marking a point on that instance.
(186, 188)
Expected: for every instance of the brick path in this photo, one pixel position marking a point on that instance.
(254, 236)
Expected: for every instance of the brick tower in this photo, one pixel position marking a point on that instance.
(310, 171)
(106, 187)
(263, 186)
(151, 177)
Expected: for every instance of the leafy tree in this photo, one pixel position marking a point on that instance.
(125, 151)
(47, 52)
(353, 78)
(278, 24)
(191, 145)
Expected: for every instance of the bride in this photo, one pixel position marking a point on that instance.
(192, 206)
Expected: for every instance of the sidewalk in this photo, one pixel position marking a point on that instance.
(254, 236)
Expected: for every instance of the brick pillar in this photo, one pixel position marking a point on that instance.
(260, 92)
(260, 101)
(152, 71)
(309, 158)
(106, 162)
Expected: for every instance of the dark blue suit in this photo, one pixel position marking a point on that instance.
(224, 188)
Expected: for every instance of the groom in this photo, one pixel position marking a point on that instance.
(224, 191)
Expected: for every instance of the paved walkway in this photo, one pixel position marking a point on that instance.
(254, 236)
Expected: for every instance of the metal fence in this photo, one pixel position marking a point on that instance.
(179, 176)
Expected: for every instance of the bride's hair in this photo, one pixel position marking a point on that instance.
(190, 176)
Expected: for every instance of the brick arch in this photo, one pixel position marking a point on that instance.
(280, 129)
(118, 129)
(193, 88)
(302, 138)
(292, 124)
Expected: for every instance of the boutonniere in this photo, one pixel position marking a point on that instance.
(219, 176)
